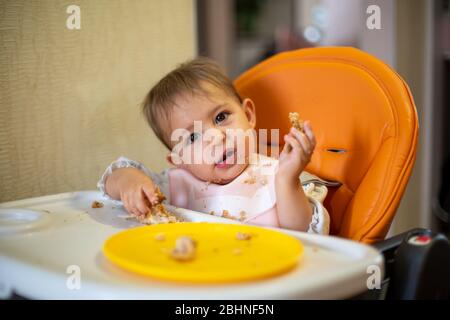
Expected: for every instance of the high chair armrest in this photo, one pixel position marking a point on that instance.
(388, 248)
(417, 264)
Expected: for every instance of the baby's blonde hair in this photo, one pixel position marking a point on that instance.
(186, 78)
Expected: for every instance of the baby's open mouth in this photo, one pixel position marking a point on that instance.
(222, 163)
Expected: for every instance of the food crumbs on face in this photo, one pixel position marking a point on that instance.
(296, 122)
(97, 204)
(160, 237)
(243, 236)
(185, 249)
(237, 251)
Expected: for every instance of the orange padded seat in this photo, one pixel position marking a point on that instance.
(365, 122)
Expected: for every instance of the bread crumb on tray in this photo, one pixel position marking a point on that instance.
(97, 204)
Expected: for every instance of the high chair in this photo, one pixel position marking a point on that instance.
(365, 122)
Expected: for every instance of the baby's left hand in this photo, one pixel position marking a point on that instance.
(296, 153)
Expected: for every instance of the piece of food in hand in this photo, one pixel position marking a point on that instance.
(158, 212)
(97, 204)
(185, 249)
(296, 122)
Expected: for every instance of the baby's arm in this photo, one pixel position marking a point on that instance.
(293, 206)
(130, 182)
(136, 190)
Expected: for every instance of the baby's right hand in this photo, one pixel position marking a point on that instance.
(137, 191)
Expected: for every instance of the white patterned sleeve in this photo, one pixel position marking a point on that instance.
(320, 221)
(161, 179)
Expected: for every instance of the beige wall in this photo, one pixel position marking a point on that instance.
(69, 99)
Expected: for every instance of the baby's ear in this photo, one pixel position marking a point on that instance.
(173, 159)
(250, 112)
(169, 158)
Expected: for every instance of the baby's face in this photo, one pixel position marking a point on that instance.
(208, 144)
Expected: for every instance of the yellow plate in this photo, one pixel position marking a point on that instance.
(220, 256)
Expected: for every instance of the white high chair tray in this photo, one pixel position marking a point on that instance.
(44, 240)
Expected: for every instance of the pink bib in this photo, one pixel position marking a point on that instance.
(249, 198)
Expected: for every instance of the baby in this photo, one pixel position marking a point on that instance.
(198, 114)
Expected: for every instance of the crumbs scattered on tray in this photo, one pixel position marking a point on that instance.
(97, 204)
(226, 214)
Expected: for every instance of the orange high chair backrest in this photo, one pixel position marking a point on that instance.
(365, 122)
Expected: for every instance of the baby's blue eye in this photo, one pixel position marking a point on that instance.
(221, 117)
(193, 137)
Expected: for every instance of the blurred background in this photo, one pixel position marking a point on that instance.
(414, 40)
(69, 99)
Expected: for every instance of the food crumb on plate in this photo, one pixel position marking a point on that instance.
(243, 236)
(185, 249)
(160, 237)
(237, 251)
